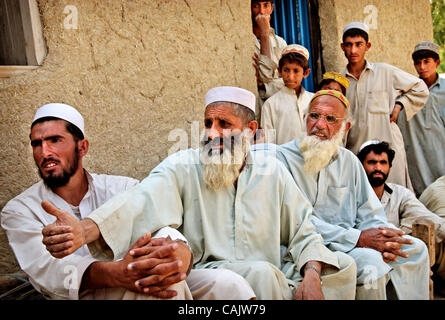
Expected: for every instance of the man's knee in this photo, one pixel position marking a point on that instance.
(370, 265)
(219, 284)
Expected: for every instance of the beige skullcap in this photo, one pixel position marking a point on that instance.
(356, 25)
(231, 94)
(427, 45)
(61, 111)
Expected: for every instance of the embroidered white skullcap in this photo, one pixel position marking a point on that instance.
(231, 94)
(368, 143)
(61, 111)
(296, 48)
(427, 45)
(356, 25)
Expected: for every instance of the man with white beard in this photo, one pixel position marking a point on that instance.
(234, 209)
(347, 212)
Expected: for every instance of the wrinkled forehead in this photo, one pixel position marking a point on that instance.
(327, 104)
(220, 110)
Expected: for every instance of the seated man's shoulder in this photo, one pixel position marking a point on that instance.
(183, 157)
(399, 190)
(264, 157)
(33, 194)
(108, 180)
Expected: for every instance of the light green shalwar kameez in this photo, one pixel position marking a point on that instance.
(238, 229)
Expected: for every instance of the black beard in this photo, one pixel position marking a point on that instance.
(53, 182)
(377, 182)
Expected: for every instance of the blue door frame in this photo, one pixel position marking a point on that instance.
(291, 22)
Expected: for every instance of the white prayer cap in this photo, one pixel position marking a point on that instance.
(61, 111)
(427, 45)
(231, 94)
(356, 25)
(368, 143)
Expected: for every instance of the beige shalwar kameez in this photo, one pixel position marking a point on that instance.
(372, 99)
(268, 69)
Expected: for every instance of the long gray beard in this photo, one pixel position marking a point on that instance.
(222, 170)
(317, 153)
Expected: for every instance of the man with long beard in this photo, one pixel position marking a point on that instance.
(234, 209)
(401, 205)
(347, 212)
(58, 144)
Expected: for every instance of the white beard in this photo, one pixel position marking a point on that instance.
(317, 153)
(222, 170)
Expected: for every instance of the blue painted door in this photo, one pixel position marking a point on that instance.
(291, 22)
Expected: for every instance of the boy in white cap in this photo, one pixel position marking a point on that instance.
(424, 134)
(59, 145)
(214, 196)
(377, 92)
(282, 114)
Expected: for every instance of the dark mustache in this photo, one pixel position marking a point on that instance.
(377, 171)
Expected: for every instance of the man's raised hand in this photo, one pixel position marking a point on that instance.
(65, 235)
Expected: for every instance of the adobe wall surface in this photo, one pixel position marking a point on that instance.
(135, 69)
(395, 28)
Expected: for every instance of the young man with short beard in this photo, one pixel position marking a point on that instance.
(401, 205)
(58, 143)
(347, 212)
(235, 210)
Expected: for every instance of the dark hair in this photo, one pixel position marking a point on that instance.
(355, 32)
(294, 57)
(71, 128)
(378, 148)
(328, 81)
(424, 54)
(254, 1)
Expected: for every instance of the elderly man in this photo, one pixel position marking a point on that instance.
(377, 92)
(401, 205)
(424, 134)
(268, 49)
(347, 212)
(212, 196)
(58, 144)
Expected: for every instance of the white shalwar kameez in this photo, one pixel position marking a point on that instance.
(23, 219)
(282, 115)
